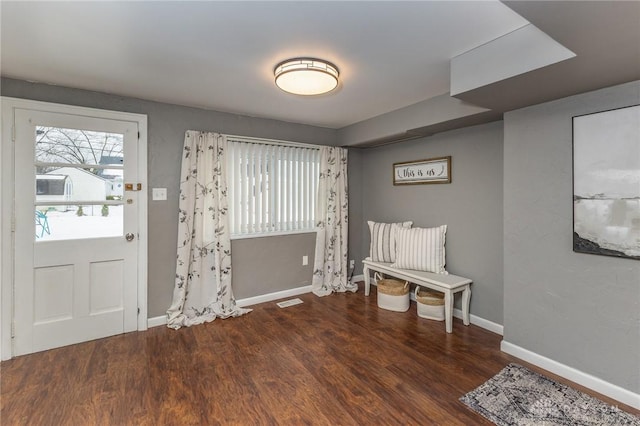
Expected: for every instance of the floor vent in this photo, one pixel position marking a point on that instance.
(290, 302)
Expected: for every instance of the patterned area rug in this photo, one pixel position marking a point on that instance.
(519, 396)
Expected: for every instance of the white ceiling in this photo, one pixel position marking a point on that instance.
(220, 55)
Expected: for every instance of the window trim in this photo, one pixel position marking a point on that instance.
(272, 234)
(266, 141)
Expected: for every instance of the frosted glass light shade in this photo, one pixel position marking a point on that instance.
(306, 76)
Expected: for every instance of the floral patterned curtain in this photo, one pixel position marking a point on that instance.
(202, 290)
(330, 265)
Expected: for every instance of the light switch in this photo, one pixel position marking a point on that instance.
(159, 194)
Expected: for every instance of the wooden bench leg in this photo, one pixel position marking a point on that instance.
(466, 297)
(448, 310)
(367, 280)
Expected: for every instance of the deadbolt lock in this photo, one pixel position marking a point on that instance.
(133, 187)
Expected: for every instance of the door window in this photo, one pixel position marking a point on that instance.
(79, 184)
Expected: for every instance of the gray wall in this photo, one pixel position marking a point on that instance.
(578, 309)
(166, 126)
(268, 264)
(471, 205)
(354, 171)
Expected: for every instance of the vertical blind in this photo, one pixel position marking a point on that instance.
(272, 187)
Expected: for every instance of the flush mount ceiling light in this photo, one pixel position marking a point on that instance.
(306, 76)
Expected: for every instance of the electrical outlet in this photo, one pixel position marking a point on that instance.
(352, 264)
(305, 260)
(159, 194)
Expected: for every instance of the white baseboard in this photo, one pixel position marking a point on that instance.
(273, 296)
(162, 320)
(157, 321)
(481, 322)
(598, 385)
(357, 278)
(475, 320)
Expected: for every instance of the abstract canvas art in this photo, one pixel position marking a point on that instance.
(606, 183)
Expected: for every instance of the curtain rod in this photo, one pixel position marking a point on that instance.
(272, 141)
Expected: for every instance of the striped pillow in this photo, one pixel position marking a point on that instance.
(421, 249)
(383, 240)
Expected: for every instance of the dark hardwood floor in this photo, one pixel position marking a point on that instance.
(335, 360)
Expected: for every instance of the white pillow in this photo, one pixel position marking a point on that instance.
(383, 240)
(421, 249)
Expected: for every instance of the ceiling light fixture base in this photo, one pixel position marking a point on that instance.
(306, 76)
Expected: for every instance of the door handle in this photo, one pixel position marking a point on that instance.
(129, 236)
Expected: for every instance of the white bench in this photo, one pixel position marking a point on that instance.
(447, 284)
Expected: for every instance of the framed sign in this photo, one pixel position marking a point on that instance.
(433, 170)
(606, 183)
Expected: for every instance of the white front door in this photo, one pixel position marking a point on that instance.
(76, 241)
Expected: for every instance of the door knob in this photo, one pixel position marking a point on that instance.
(129, 236)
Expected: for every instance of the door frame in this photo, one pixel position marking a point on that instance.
(7, 206)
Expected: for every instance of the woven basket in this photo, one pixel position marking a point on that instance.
(391, 287)
(393, 295)
(430, 304)
(431, 298)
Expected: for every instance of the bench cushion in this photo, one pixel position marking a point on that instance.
(448, 281)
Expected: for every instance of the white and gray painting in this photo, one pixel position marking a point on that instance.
(606, 190)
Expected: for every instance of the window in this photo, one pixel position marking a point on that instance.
(272, 186)
(50, 185)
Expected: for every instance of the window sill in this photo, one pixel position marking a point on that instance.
(272, 234)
